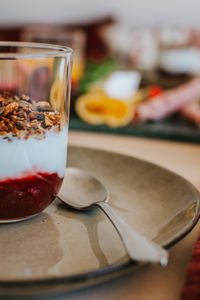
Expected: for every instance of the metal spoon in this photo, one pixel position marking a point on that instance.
(81, 191)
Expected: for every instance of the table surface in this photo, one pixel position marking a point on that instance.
(148, 282)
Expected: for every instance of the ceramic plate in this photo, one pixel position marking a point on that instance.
(62, 249)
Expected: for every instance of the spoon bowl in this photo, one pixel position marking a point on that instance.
(81, 191)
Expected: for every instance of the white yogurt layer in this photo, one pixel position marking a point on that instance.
(21, 157)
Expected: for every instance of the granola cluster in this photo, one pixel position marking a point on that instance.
(24, 117)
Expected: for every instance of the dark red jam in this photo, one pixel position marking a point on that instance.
(25, 197)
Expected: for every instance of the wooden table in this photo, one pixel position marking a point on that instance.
(149, 282)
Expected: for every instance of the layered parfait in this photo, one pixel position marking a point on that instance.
(33, 141)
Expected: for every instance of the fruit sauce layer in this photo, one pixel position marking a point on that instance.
(27, 196)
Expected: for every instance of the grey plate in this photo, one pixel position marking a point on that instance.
(62, 249)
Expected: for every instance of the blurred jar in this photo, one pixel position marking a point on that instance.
(178, 55)
(72, 38)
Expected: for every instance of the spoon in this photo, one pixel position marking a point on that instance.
(81, 191)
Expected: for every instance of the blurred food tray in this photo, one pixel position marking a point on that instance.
(173, 128)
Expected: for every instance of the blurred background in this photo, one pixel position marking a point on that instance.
(136, 63)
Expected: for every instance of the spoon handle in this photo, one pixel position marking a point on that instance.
(138, 247)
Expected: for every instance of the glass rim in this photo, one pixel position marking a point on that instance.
(51, 50)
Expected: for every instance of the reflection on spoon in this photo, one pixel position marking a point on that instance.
(81, 191)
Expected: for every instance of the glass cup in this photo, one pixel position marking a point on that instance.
(35, 83)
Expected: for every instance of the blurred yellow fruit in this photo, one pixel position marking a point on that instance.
(97, 108)
(77, 71)
(57, 94)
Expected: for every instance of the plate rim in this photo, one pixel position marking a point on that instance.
(112, 270)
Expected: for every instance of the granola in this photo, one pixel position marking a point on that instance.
(22, 117)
